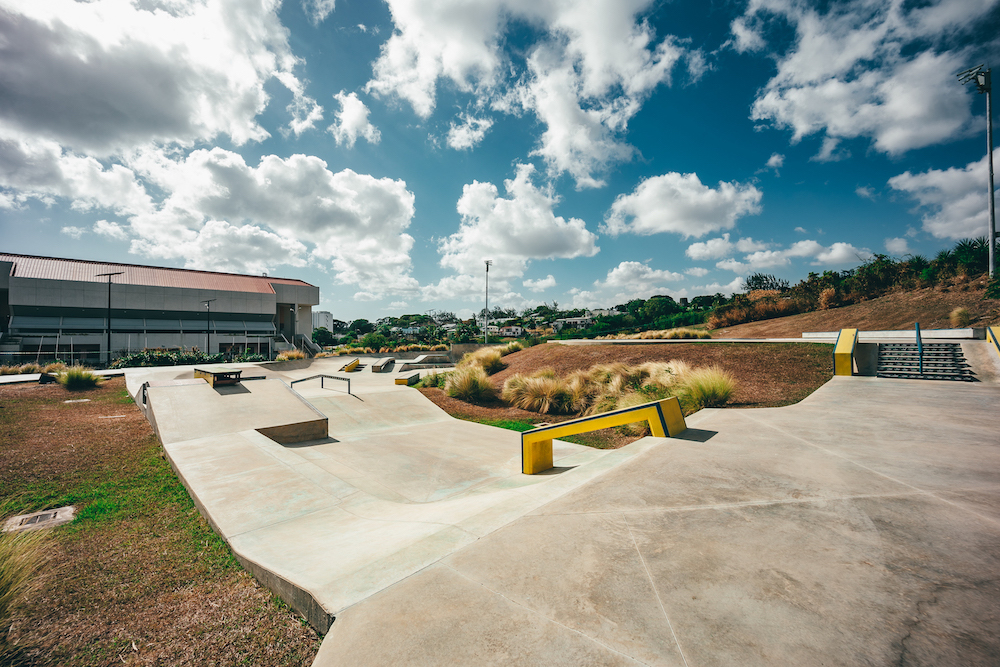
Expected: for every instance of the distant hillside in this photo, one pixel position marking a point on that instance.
(930, 306)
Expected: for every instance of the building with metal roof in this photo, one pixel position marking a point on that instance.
(69, 308)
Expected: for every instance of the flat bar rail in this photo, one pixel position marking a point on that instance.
(322, 377)
(665, 419)
(920, 350)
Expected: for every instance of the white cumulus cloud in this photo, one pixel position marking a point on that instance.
(469, 132)
(512, 231)
(835, 254)
(897, 246)
(681, 204)
(352, 121)
(881, 70)
(584, 79)
(112, 230)
(541, 284)
(953, 200)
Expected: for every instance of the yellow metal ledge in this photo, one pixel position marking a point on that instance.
(351, 365)
(665, 419)
(843, 353)
(412, 378)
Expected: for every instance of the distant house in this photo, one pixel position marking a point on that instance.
(512, 331)
(572, 323)
(406, 331)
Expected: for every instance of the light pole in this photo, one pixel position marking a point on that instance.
(981, 75)
(208, 326)
(99, 275)
(486, 318)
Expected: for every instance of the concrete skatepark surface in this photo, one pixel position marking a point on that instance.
(860, 526)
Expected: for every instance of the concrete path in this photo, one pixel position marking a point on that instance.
(859, 527)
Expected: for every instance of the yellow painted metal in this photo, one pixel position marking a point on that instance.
(665, 419)
(843, 353)
(412, 378)
(993, 333)
(536, 456)
(351, 365)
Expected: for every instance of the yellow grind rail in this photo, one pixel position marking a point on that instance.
(843, 352)
(665, 419)
(351, 365)
(993, 334)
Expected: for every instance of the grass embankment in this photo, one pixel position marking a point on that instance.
(766, 374)
(138, 577)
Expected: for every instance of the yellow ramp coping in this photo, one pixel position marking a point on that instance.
(993, 335)
(665, 419)
(843, 352)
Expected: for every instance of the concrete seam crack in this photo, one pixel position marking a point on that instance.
(538, 613)
(656, 592)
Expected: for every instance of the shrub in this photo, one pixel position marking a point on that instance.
(828, 298)
(960, 318)
(469, 383)
(433, 379)
(290, 355)
(21, 555)
(55, 367)
(440, 347)
(76, 378)
(706, 388)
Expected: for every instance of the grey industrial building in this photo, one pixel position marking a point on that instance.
(51, 307)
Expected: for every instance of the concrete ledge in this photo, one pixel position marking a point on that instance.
(976, 333)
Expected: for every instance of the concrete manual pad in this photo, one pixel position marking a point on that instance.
(860, 526)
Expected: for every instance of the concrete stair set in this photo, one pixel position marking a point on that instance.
(941, 361)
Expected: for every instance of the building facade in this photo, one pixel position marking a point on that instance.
(52, 307)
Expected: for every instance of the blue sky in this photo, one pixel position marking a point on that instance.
(595, 150)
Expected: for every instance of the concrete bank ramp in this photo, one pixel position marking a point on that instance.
(395, 485)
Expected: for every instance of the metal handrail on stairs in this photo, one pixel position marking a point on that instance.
(920, 350)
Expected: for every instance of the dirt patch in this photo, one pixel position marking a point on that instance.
(767, 375)
(931, 307)
(139, 577)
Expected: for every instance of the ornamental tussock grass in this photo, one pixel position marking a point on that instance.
(664, 334)
(290, 355)
(487, 358)
(77, 378)
(511, 347)
(540, 392)
(21, 555)
(960, 318)
(707, 387)
(469, 383)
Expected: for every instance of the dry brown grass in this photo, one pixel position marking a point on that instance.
(144, 582)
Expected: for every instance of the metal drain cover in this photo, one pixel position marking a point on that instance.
(39, 520)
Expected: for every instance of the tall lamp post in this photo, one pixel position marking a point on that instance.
(486, 318)
(208, 326)
(100, 275)
(981, 75)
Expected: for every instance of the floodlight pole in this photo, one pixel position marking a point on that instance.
(99, 275)
(981, 75)
(486, 318)
(208, 326)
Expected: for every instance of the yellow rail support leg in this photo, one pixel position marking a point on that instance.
(843, 352)
(665, 419)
